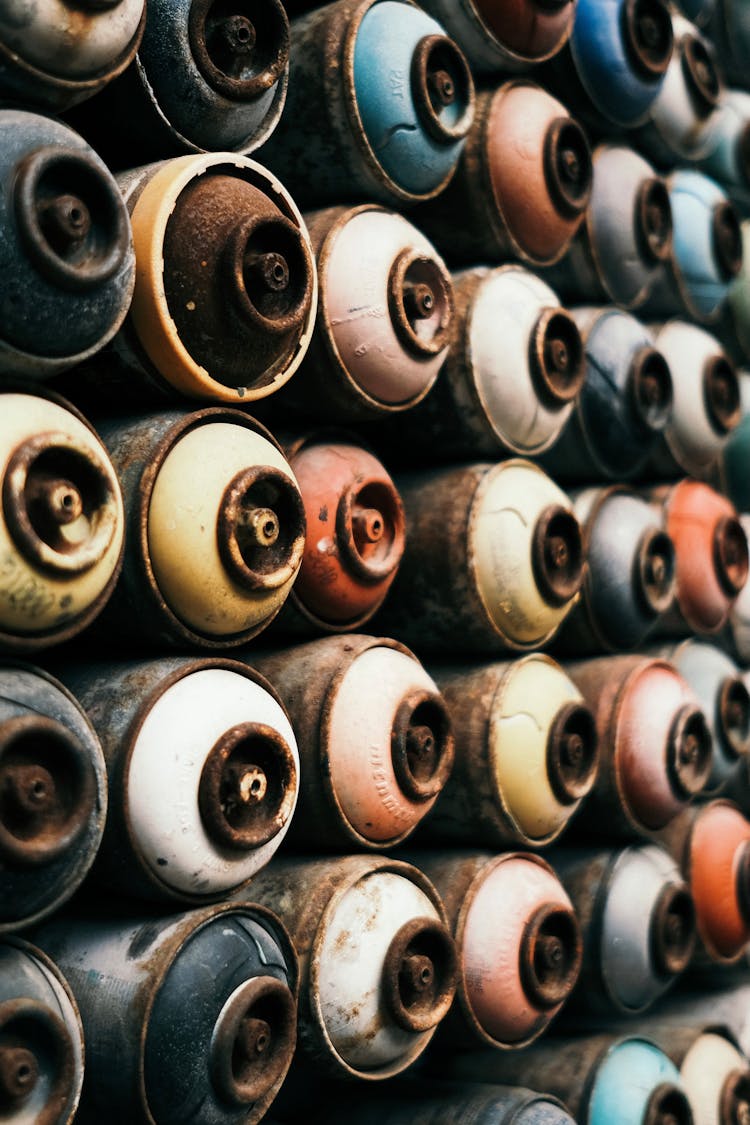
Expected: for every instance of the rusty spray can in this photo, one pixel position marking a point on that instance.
(377, 962)
(222, 1055)
(522, 184)
(506, 37)
(651, 769)
(624, 404)
(442, 1103)
(211, 735)
(526, 754)
(518, 945)
(53, 783)
(216, 528)
(67, 244)
(630, 573)
(375, 739)
(493, 559)
(41, 1051)
(379, 103)
(61, 521)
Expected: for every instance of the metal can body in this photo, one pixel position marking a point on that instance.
(505, 37)
(216, 526)
(151, 1056)
(440, 1103)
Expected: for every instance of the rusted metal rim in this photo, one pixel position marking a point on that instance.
(420, 303)
(34, 1045)
(441, 78)
(721, 394)
(572, 753)
(556, 355)
(689, 752)
(371, 529)
(568, 169)
(550, 955)
(734, 1099)
(47, 790)
(71, 217)
(702, 78)
(261, 528)
(241, 47)
(730, 555)
(649, 387)
(733, 716)
(655, 570)
(270, 269)
(419, 974)
(648, 36)
(653, 220)
(672, 933)
(668, 1105)
(557, 555)
(60, 503)
(247, 787)
(727, 239)
(422, 745)
(253, 1040)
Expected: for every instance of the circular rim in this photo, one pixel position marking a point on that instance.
(254, 1035)
(233, 525)
(419, 974)
(572, 753)
(440, 75)
(550, 955)
(422, 745)
(238, 89)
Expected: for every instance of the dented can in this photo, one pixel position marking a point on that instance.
(711, 551)
(54, 796)
(377, 962)
(522, 184)
(380, 101)
(513, 370)
(506, 37)
(654, 742)
(204, 1006)
(630, 573)
(624, 404)
(625, 240)
(41, 1038)
(375, 739)
(526, 754)
(443, 1103)
(203, 774)
(638, 924)
(512, 903)
(67, 245)
(493, 560)
(207, 77)
(216, 525)
(61, 521)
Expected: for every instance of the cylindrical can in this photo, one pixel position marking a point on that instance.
(654, 743)
(377, 962)
(207, 77)
(711, 555)
(385, 316)
(61, 521)
(638, 925)
(728, 159)
(41, 1038)
(712, 845)
(216, 528)
(56, 54)
(526, 754)
(507, 386)
(707, 251)
(211, 735)
(705, 405)
(53, 784)
(624, 404)
(355, 535)
(379, 103)
(442, 1103)
(493, 559)
(602, 1080)
(375, 739)
(522, 184)
(615, 62)
(186, 1018)
(505, 37)
(629, 581)
(518, 945)
(626, 237)
(69, 267)
(733, 477)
